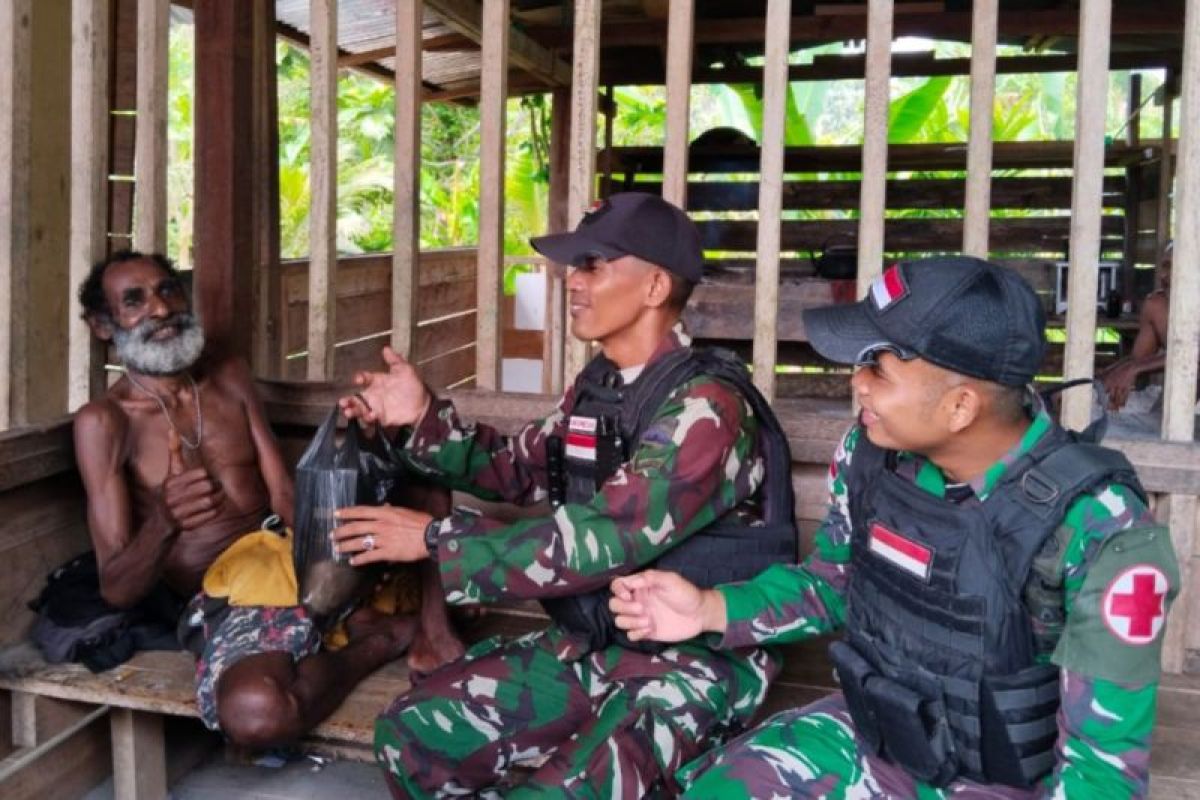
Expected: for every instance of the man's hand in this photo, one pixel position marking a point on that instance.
(395, 534)
(1118, 382)
(188, 498)
(665, 607)
(392, 399)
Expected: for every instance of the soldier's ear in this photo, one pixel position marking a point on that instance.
(660, 288)
(965, 405)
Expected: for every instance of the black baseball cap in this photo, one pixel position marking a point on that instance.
(965, 314)
(630, 224)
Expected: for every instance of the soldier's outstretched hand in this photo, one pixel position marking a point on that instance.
(665, 607)
(393, 398)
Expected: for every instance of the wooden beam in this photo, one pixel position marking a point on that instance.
(267, 350)
(64, 766)
(583, 143)
(139, 755)
(1183, 336)
(679, 106)
(464, 17)
(406, 222)
(16, 98)
(322, 221)
(150, 144)
(226, 210)
(1166, 170)
(770, 195)
(808, 29)
(89, 188)
(492, 116)
(1091, 100)
(557, 216)
(979, 148)
(875, 147)
(637, 71)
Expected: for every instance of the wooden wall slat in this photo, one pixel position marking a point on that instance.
(492, 115)
(150, 144)
(407, 179)
(556, 324)
(766, 294)
(984, 14)
(1091, 99)
(1183, 338)
(875, 147)
(322, 229)
(16, 98)
(89, 185)
(582, 162)
(680, 24)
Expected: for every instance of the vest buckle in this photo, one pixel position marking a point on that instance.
(1039, 489)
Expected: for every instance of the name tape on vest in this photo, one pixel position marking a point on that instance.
(581, 438)
(915, 559)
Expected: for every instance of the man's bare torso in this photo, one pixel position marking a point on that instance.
(226, 452)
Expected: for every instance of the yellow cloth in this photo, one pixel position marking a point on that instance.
(256, 570)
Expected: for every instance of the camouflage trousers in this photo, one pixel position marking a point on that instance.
(814, 752)
(612, 724)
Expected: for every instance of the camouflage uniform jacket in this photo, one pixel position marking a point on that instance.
(1108, 684)
(696, 462)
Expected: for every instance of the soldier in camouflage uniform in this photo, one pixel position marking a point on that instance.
(606, 722)
(1094, 599)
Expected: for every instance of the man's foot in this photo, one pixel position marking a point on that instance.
(430, 651)
(393, 633)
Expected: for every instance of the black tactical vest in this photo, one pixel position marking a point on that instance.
(939, 665)
(605, 426)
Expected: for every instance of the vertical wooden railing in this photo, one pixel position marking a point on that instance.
(322, 228)
(406, 222)
(16, 99)
(979, 147)
(150, 139)
(874, 153)
(680, 27)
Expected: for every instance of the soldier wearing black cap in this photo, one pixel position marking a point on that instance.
(1001, 583)
(659, 454)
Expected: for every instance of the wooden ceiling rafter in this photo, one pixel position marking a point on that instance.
(464, 17)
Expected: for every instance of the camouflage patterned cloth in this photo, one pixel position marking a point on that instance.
(1109, 672)
(235, 632)
(623, 719)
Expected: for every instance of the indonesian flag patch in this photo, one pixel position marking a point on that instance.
(902, 552)
(581, 438)
(1133, 604)
(889, 288)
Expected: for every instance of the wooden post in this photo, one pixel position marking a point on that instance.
(139, 755)
(268, 356)
(680, 25)
(322, 220)
(16, 36)
(770, 194)
(979, 148)
(1086, 200)
(226, 210)
(406, 239)
(560, 142)
(1183, 331)
(582, 164)
(150, 142)
(89, 187)
(1133, 185)
(493, 98)
(873, 200)
(1166, 170)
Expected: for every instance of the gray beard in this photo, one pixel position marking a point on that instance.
(138, 352)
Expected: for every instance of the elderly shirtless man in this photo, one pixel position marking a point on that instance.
(179, 464)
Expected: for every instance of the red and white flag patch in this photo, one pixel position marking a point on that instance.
(889, 288)
(581, 438)
(915, 559)
(1134, 604)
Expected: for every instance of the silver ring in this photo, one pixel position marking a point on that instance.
(368, 542)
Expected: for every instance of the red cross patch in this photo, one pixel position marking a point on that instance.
(1133, 604)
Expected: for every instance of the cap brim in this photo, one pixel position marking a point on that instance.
(841, 333)
(572, 248)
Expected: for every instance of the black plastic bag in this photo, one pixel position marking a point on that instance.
(329, 476)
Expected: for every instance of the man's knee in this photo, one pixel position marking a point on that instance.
(258, 713)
